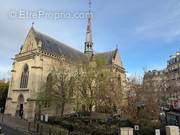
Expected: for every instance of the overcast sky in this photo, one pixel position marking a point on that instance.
(147, 31)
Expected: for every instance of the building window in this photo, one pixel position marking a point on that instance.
(49, 86)
(24, 77)
(49, 81)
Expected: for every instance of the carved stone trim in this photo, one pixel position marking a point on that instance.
(26, 55)
(36, 67)
(9, 98)
(30, 99)
(22, 58)
(14, 102)
(13, 70)
(119, 68)
(21, 89)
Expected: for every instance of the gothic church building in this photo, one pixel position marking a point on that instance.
(33, 63)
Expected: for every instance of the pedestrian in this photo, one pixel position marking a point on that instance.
(21, 114)
(2, 109)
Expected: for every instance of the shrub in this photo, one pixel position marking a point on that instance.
(147, 131)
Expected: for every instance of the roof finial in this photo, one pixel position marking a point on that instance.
(32, 24)
(117, 46)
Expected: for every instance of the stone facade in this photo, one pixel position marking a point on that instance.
(155, 79)
(39, 65)
(34, 62)
(169, 78)
(173, 69)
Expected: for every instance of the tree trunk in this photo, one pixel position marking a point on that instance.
(62, 108)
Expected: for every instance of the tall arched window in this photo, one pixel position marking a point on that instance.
(24, 77)
(49, 82)
(49, 85)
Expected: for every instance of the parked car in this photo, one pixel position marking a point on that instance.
(173, 118)
(1, 133)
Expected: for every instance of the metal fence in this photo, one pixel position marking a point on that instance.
(45, 129)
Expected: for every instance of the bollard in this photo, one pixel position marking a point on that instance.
(49, 130)
(29, 125)
(41, 130)
(37, 128)
(60, 132)
(34, 124)
(2, 118)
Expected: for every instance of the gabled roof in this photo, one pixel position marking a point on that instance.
(54, 47)
(108, 56)
(57, 48)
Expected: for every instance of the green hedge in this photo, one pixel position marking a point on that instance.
(81, 122)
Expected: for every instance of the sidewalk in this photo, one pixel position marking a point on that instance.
(15, 123)
(31, 128)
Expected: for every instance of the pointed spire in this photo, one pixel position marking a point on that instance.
(89, 42)
(89, 30)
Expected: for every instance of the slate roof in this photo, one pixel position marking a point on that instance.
(57, 48)
(108, 56)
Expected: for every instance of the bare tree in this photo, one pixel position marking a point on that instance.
(97, 85)
(143, 102)
(58, 88)
(86, 85)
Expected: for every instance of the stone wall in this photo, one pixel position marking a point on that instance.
(172, 130)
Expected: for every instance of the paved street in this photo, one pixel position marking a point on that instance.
(10, 131)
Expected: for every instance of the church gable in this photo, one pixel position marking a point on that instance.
(111, 57)
(30, 42)
(107, 56)
(117, 59)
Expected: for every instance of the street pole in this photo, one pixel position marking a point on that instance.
(2, 119)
